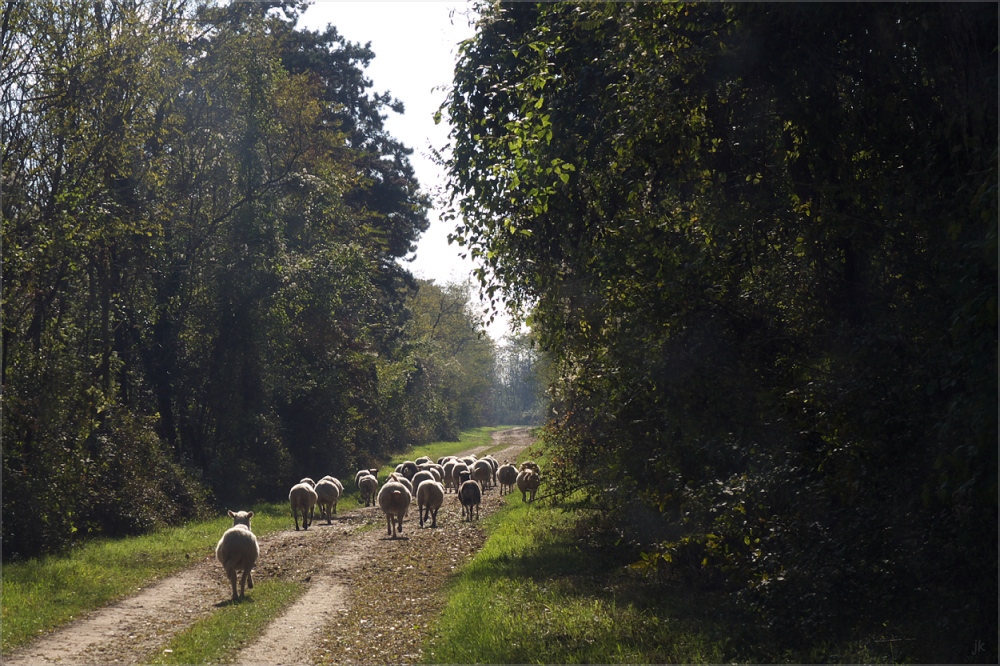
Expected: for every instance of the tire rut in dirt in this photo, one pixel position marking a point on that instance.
(127, 630)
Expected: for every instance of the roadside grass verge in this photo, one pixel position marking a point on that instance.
(537, 593)
(534, 594)
(232, 627)
(41, 594)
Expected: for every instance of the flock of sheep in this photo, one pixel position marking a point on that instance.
(468, 477)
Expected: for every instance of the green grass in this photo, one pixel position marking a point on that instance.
(41, 594)
(536, 594)
(232, 627)
(225, 631)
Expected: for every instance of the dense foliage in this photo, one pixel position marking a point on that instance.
(203, 218)
(759, 243)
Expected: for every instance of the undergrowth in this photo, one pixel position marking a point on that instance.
(547, 588)
(535, 594)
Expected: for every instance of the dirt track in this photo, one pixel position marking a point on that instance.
(336, 621)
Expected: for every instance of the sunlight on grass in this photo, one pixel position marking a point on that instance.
(39, 595)
(531, 595)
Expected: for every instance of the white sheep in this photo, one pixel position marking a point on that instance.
(368, 485)
(238, 550)
(394, 499)
(340, 487)
(433, 468)
(361, 473)
(430, 497)
(456, 474)
(399, 478)
(328, 494)
(336, 481)
(303, 499)
(309, 481)
(449, 481)
(482, 471)
(419, 477)
(507, 476)
(496, 465)
(527, 482)
(470, 494)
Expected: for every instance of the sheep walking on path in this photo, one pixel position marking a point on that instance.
(303, 499)
(470, 495)
(420, 477)
(402, 480)
(328, 494)
(430, 497)
(365, 472)
(407, 469)
(449, 477)
(482, 471)
(527, 483)
(368, 485)
(495, 464)
(237, 550)
(456, 474)
(394, 499)
(507, 476)
(336, 482)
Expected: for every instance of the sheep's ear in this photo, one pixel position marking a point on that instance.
(231, 514)
(250, 514)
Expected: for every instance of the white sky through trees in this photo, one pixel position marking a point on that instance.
(415, 46)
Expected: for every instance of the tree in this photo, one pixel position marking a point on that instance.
(451, 357)
(82, 85)
(759, 243)
(201, 228)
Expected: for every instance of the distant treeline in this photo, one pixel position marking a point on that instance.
(759, 243)
(203, 218)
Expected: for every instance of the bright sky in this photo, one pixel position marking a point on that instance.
(415, 46)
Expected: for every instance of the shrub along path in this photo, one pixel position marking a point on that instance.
(368, 598)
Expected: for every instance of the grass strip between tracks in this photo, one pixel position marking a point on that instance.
(233, 626)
